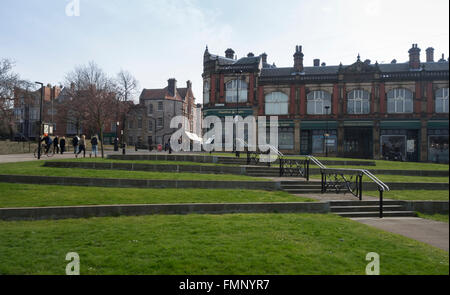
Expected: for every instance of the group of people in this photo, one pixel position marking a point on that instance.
(79, 144)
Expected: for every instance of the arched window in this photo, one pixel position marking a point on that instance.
(441, 100)
(400, 100)
(277, 103)
(232, 91)
(206, 89)
(358, 102)
(317, 101)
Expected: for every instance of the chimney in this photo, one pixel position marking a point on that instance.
(250, 54)
(229, 53)
(172, 86)
(298, 59)
(316, 62)
(414, 57)
(430, 54)
(264, 57)
(323, 64)
(442, 58)
(188, 84)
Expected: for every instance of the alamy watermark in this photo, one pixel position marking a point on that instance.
(73, 267)
(229, 134)
(73, 8)
(373, 267)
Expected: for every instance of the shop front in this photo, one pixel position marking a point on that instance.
(358, 139)
(399, 140)
(318, 138)
(437, 141)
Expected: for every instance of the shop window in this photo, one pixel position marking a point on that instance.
(286, 138)
(393, 147)
(318, 141)
(438, 146)
(317, 101)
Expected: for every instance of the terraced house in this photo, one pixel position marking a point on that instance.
(397, 110)
(148, 123)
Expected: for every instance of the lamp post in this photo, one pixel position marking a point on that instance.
(238, 83)
(327, 135)
(40, 119)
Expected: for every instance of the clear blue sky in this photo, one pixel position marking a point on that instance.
(159, 39)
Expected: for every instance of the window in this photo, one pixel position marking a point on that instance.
(206, 90)
(139, 123)
(149, 140)
(159, 122)
(150, 108)
(160, 106)
(277, 103)
(232, 89)
(400, 100)
(150, 125)
(130, 140)
(358, 102)
(322, 143)
(317, 101)
(130, 124)
(286, 138)
(441, 100)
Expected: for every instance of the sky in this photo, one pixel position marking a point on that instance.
(160, 39)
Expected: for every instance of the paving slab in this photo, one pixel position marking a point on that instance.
(432, 232)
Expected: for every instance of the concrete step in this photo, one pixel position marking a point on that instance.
(347, 209)
(377, 214)
(303, 191)
(301, 186)
(364, 203)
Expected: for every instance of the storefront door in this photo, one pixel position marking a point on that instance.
(358, 142)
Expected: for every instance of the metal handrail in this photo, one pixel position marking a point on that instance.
(381, 185)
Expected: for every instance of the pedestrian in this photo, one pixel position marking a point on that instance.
(75, 141)
(82, 146)
(94, 144)
(62, 144)
(48, 142)
(116, 144)
(169, 147)
(56, 145)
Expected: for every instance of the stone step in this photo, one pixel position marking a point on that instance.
(345, 209)
(364, 203)
(307, 185)
(303, 191)
(377, 214)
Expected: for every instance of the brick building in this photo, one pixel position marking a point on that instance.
(148, 123)
(361, 110)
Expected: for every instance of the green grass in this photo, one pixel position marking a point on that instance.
(150, 162)
(212, 244)
(30, 195)
(36, 168)
(411, 195)
(437, 217)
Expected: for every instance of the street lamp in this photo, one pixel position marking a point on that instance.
(40, 119)
(238, 83)
(327, 135)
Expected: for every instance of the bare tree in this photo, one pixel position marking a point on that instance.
(127, 88)
(95, 93)
(9, 82)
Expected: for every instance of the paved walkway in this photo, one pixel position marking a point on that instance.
(432, 232)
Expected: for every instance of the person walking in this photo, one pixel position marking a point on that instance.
(94, 144)
(82, 146)
(62, 144)
(75, 141)
(48, 142)
(56, 145)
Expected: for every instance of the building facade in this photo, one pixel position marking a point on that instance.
(148, 123)
(361, 110)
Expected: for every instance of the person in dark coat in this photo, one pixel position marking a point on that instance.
(94, 144)
(62, 144)
(48, 142)
(56, 145)
(75, 141)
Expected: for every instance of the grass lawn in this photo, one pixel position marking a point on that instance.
(212, 244)
(36, 168)
(424, 195)
(30, 195)
(437, 217)
(150, 162)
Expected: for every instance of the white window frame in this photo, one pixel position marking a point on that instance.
(319, 99)
(276, 103)
(399, 97)
(206, 92)
(231, 91)
(361, 97)
(441, 97)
